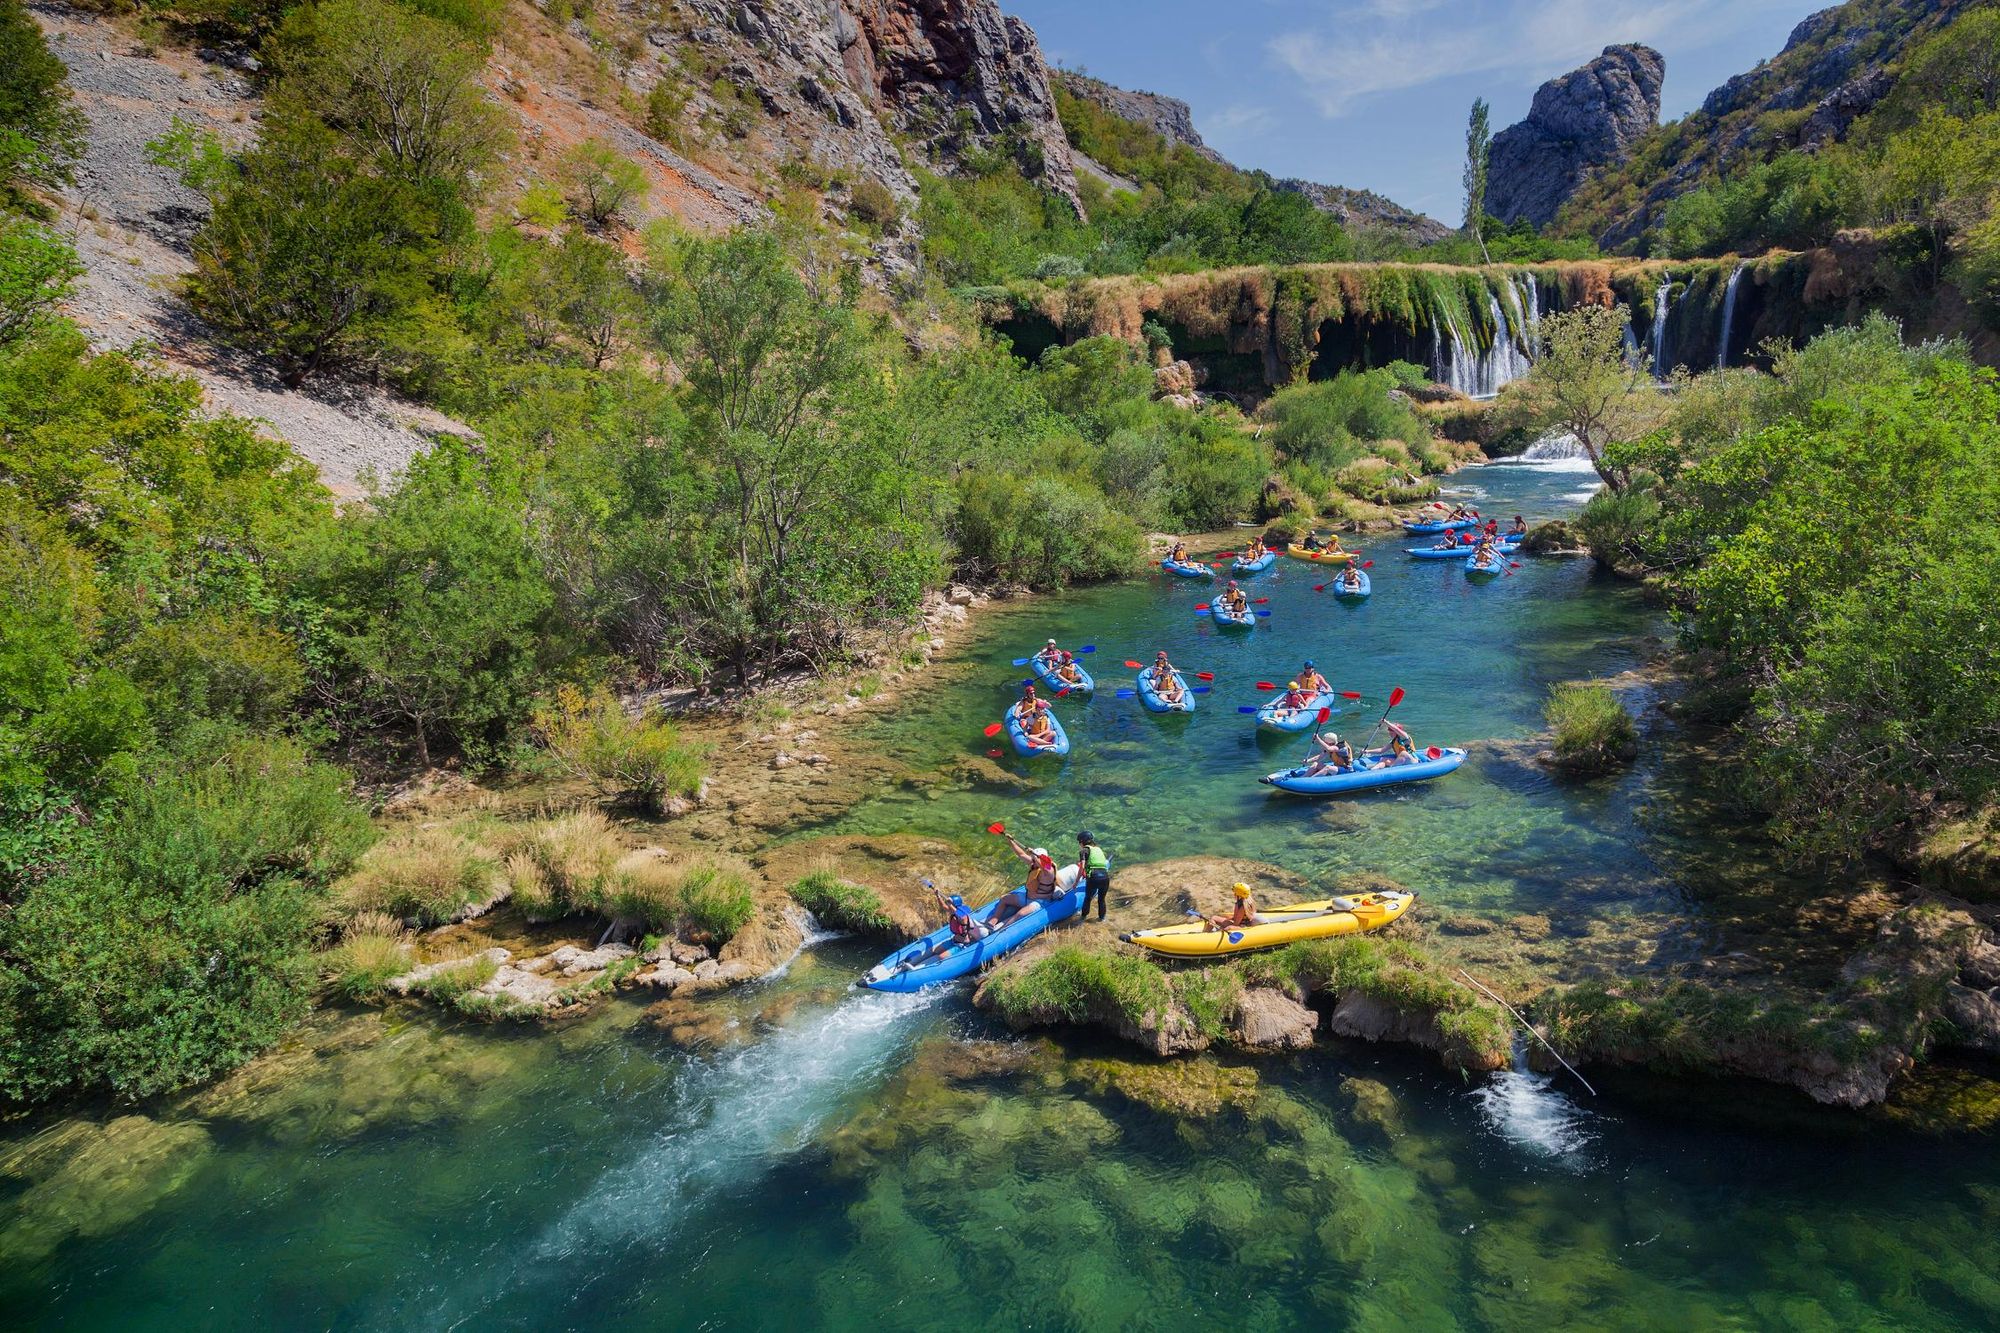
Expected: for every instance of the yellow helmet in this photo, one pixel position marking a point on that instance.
(1291, 685)
(1243, 890)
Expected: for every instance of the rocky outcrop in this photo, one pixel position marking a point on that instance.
(1364, 209)
(926, 62)
(1584, 120)
(1168, 117)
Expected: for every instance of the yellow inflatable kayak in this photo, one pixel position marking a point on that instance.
(1298, 552)
(1281, 925)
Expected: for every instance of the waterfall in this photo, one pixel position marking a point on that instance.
(1662, 295)
(1729, 313)
(1554, 448)
(1481, 374)
(1631, 346)
(1533, 306)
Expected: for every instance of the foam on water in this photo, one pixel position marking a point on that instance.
(1524, 1108)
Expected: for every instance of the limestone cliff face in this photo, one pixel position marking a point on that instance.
(1588, 118)
(928, 63)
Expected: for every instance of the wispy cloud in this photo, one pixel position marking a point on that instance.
(1366, 47)
(1237, 124)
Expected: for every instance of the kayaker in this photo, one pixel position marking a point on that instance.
(1233, 598)
(1520, 527)
(1401, 749)
(1330, 754)
(1094, 865)
(1492, 528)
(1066, 669)
(1255, 552)
(1039, 731)
(1484, 552)
(1458, 512)
(1448, 542)
(1029, 706)
(1311, 681)
(1294, 696)
(1243, 914)
(1179, 554)
(1049, 655)
(1166, 680)
(965, 929)
(1350, 578)
(1312, 542)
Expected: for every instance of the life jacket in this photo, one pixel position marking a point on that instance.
(961, 927)
(1095, 858)
(1401, 745)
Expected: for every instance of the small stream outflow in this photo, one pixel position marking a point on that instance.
(1663, 296)
(1728, 315)
(1525, 1108)
(738, 1112)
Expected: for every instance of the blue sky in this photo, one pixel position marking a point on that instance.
(1373, 93)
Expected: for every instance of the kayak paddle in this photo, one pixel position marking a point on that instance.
(995, 728)
(993, 754)
(1204, 675)
(1248, 708)
(1395, 697)
(996, 827)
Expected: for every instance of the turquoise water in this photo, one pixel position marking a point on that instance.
(797, 1154)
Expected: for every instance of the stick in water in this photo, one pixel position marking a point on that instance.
(1531, 1031)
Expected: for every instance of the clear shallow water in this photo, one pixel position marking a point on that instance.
(796, 1154)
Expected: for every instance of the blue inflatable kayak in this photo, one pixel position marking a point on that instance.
(1365, 774)
(1274, 716)
(1340, 589)
(1440, 525)
(1020, 737)
(1045, 673)
(1491, 567)
(1257, 566)
(1227, 619)
(1438, 552)
(1155, 703)
(1187, 569)
(1036, 918)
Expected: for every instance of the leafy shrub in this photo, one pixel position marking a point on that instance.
(715, 902)
(1042, 531)
(1334, 422)
(875, 204)
(1593, 732)
(1615, 525)
(424, 876)
(599, 183)
(1214, 479)
(37, 273)
(841, 904)
(594, 737)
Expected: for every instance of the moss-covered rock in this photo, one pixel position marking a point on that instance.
(82, 1178)
(1198, 1087)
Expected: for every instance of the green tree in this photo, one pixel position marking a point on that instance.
(308, 255)
(1478, 147)
(41, 132)
(38, 270)
(1582, 384)
(598, 182)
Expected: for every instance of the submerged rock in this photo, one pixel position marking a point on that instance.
(88, 1179)
(572, 961)
(1186, 1088)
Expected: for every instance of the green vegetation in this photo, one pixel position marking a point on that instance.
(642, 759)
(1827, 535)
(1593, 732)
(373, 948)
(41, 133)
(841, 904)
(424, 877)
(1397, 973)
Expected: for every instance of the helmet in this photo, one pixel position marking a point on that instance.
(1027, 689)
(1309, 664)
(1161, 653)
(1083, 835)
(1243, 890)
(1291, 685)
(1232, 583)
(957, 902)
(1052, 643)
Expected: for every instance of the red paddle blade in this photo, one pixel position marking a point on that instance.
(1225, 555)
(993, 729)
(1134, 665)
(1204, 675)
(996, 827)
(992, 754)
(1395, 696)
(1061, 692)
(1325, 713)
(1201, 606)
(1266, 685)
(1350, 694)
(1368, 564)
(1319, 587)
(1258, 601)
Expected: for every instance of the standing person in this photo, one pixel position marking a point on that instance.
(1094, 864)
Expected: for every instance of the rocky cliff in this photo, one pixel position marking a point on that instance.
(1170, 118)
(1836, 65)
(1587, 119)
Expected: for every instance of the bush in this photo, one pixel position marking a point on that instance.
(644, 888)
(875, 204)
(1042, 531)
(840, 904)
(643, 759)
(715, 902)
(374, 948)
(565, 864)
(598, 182)
(1332, 423)
(1616, 525)
(1593, 732)
(424, 876)
(1214, 479)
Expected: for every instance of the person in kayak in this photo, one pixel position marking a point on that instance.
(1166, 680)
(1066, 669)
(1050, 654)
(1039, 731)
(1492, 528)
(1233, 598)
(1401, 749)
(1179, 554)
(1254, 552)
(1330, 755)
(1519, 528)
(1295, 697)
(1312, 542)
(1311, 681)
(1243, 914)
(1457, 514)
(1485, 552)
(1350, 578)
(1042, 884)
(1094, 866)
(1029, 706)
(965, 929)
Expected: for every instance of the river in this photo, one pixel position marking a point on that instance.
(798, 1154)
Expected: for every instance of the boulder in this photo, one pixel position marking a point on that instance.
(667, 977)
(1588, 118)
(1272, 1021)
(572, 961)
(521, 987)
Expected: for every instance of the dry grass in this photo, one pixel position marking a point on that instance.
(425, 875)
(374, 949)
